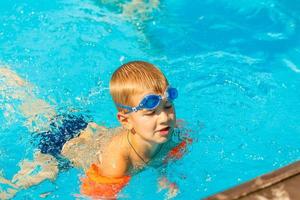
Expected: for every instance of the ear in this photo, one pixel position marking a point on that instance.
(125, 120)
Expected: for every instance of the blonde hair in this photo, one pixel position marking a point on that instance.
(134, 78)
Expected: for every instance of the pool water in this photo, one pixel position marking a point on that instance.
(236, 65)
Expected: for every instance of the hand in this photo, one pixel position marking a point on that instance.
(172, 188)
(180, 123)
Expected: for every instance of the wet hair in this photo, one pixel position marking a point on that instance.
(134, 78)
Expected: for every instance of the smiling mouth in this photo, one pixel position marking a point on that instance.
(164, 131)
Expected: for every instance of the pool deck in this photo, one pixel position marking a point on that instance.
(281, 184)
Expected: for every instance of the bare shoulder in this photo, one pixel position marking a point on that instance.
(115, 162)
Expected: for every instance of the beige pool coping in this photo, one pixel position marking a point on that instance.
(281, 184)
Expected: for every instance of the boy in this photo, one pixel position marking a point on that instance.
(144, 100)
(145, 110)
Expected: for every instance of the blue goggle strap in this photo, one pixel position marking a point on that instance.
(130, 109)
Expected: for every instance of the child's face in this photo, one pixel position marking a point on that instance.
(156, 125)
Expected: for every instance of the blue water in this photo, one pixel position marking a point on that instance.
(236, 65)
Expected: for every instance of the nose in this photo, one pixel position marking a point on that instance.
(163, 115)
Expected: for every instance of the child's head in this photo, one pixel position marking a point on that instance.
(134, 78)
(130, 85)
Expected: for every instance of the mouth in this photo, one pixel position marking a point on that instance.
(164, 131)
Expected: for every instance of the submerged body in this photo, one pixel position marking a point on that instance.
(97, 183)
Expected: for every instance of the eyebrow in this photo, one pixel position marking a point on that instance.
(147, 111)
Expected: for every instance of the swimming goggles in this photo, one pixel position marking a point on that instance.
(151, 101)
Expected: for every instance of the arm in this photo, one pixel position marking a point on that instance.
(114, 162)
(177, 149)
(108, 178)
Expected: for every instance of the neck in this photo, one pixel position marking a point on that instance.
(145, 149)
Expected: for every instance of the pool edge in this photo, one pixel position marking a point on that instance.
(282, 181)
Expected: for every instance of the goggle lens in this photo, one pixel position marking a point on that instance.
(151, 102)
(172, 93)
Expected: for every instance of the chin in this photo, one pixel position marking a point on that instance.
(163, 139)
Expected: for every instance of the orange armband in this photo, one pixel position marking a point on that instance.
(178, 151)
(95, 185)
